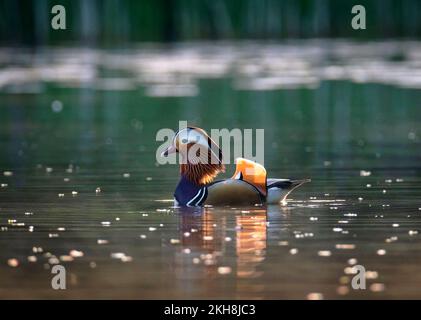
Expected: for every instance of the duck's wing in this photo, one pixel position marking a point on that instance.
(232, 192)
(252, 173)
(279, 189)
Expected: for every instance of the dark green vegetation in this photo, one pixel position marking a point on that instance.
(99, 22)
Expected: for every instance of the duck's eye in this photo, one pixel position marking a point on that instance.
(184, 141)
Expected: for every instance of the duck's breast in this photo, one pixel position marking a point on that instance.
(232, 192)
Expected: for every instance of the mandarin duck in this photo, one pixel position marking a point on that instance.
(202, 162)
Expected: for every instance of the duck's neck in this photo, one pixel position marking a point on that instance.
(200, 174)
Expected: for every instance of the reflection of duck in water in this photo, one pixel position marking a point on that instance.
(202, 162)
(210, 234)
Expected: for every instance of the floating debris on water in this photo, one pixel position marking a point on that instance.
(377, 287)
(98, 190)
(74, 193)
(227, 239)
(187, 251)
(152, 229)
(381, 252)
(4, 185)
(412, 232)
(352, 261)
(314, 218)
(106, 223)
(208, 238)
(14, 263)
(391, 239)
(127, 259)
(32, 259)
(53, 260)
(37, 249)
(209, 262)
(66, 258)
(57, 106)
(8, 173)
(350, 215)
(61, 195)
(102, 241)
(126, 175)
(121, 256)
(142, 236)
(342, 290)
(324, 253)
(345, 246)
(395, 225)
(300, 235)
(174, 241)
(148, 178)
(224, 270)
(76, 253)
(371, 275)
(350, 270)
(48, 169)
(315, 296)
(365, 173)
(293, 251)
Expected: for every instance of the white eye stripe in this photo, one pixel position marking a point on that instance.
(191, 136)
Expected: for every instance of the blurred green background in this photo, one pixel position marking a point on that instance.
(113, 22)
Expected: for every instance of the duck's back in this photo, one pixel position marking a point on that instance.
(232, 192)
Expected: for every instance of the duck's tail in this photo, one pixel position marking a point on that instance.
(279, 189)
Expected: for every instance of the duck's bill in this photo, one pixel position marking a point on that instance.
(169, 150)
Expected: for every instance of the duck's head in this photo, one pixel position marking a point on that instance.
(201, 157)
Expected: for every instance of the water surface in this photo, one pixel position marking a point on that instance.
(74, 120)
